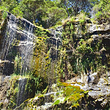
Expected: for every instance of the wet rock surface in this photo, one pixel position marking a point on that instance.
(98, 93)
(17, 39)
(8, 94)
(54, 42)
(26, 90)
(6, 67)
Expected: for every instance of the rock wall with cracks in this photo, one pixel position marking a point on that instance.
(18, 37)
(17, 43)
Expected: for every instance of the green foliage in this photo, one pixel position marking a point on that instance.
(48, 13)
(4, 15)
(43, 68)
(79, 51)
(73, 7)
(72, 94)
(101, 9)
(12, 92)
(56, 102)
(76, 54)
(8, 5)
(17, 11)
(85, 54)
(82, 17)
(83, 48)
(17, 65)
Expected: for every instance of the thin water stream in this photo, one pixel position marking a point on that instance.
(18, 42)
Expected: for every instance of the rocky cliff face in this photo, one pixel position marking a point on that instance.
(17, 39)
(17, 42)
(16, 50)
(101, 33)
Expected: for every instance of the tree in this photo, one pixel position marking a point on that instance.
(73, 7)
(50, 13)
(46, 11)
(102, 10)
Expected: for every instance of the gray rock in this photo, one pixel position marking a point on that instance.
(17, 38)
(25, 92)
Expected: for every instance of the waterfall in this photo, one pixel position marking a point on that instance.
(22, 94)
(8, 37)
(17, 45)
(26, 90)
(55, 42)
(18, 41)
(26, 47)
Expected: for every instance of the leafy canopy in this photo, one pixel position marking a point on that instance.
(45, 11)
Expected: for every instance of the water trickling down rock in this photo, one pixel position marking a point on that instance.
(18, 39)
